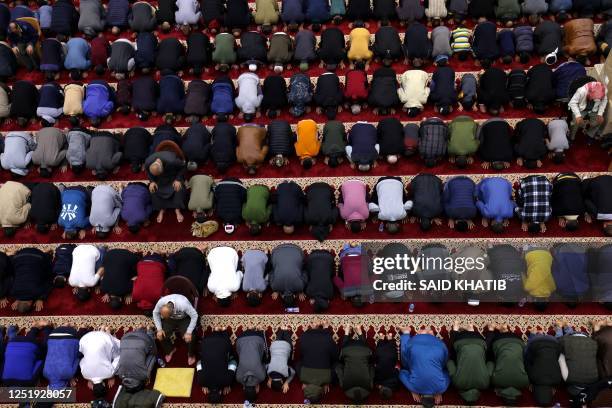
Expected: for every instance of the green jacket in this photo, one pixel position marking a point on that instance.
(469, 373)
(508, 373)
(463, 140)
(256, 209)
(313, 380)
(141, 399)
(355, 371)
(201, 197)
(334, 138)
(509, 9)
(581, 358)
(225, 52)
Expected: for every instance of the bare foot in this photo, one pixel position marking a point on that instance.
(160, 216)
(191, 360)
(179, 215)
(168, 357)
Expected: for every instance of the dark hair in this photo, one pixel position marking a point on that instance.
(608, 230)
(134, 228)
(42, 228)
(143, 116)
(249, 117)
(99, 390)
(277, 384)
(266, 29)
(356, 301)
(331, 112)
(9, 231)
(558, 157)
(498, 165)
(462, 56)
(101, 175)
(540, 306)
(200, 217)
(59, 281)
(430, 162)
(74, 121)
(533, 227)
(531, 164)
(100, 70)
(102, 234)
(360, 65)
(412, 112)
(444, 109)
(272, 113)
(425, 224)
(355, 226)
(255, 229)
(75, 74)
(253, 298)
(320, 305)
(497, 227)
(116, 302)
(224, 302)
(524, 57)
(385, 392)
(383, 111)
(50, 76)
(427, 401)
(215, 396)
(83, 294)
(392, 227)
(22, 122)
(316, 27)
(571, 225)
(221, 117)
(307, 163)
(95, 122)
(507, 59)
(250, 393)
(333, 161)
(486, 63)
(461, 225)
(461, 161)
(582, 59)
(387, 62)
(78, 169)
(288, 299)
(45, 123)
(251, 170)
(72, 234)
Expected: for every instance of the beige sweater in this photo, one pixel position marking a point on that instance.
(15, 207)
(73, 99)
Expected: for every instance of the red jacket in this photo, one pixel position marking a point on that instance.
(148, 285)
(99, 51)
(356, 87)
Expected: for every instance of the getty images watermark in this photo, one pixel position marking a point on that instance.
(489, 273)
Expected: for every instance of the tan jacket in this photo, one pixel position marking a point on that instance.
(579, 39)
(5, 102)
(15, 206)
(251, 149)
(73, 99)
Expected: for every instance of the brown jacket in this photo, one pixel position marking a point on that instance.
(579, 39)
(251, 150)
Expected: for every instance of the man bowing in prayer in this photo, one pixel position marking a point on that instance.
(165, 171)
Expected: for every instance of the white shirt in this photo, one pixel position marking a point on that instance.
(83, 271)
(100, 356)
(224, 277)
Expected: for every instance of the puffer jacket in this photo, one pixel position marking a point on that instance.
(137, 358)
(300, 93)
(578, 39)
(62, 360)
(413, 91)
(523, 39)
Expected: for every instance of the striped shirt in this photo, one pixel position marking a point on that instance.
(460, 39)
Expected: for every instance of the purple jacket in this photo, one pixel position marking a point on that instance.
(136, 204)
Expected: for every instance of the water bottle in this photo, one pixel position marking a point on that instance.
(161, 362)
(411, 308)
(381, 227)
(306, 401)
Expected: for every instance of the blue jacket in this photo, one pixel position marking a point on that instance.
(362, 139)
(569, 270)
(62, 359)
(317, 11)
(74, 215)
(117, 13)
(494, 199)
(505, 39)
(222, 98)
(292, 11)
(137, 205)
(523, 38)
(64, 17)
(62, 261)
(146, 45)
(423, 360)
(77, 56)
(171, 95)
(99, 100)
(45, 18)
(458, 198)
(51, 96)
(22, 362)
(564, 75)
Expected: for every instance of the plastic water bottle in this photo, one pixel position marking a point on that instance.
(161, 362)
(557, 405)
(306, 401)
(381, 227)
(411, 308)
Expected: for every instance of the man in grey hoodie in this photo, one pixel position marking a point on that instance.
(103, 155)
(252, 351)
(287, 276)
(105, 210)
(18, 150)
(137, 357)
(78, 143)
(50, 150)
(280, 373)
(254, 282)
(91, 17)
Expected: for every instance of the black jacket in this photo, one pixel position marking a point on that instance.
(191, 263)
(530, 137)
(358, 10)
(46, 204)
(416, 41)
(253, 48)
(196, 143)
(238, 14)
(288, 204)
(566, 196)
(597, 197)
(32, 280)
(170, 56)
(136, 145)
(387, 43)
(64, 17)
(280, 138)
(328, 92)
(6, 275)
(229, 195)
(144, 94)
(197, 100)
(146, 50)
(24, 100)
(223, 149)
(320, 207)
(215, 354)
(274, 93)
(390, 134)
(332, 48)
(383, 89)
(199, 51)
(426, 194)
(540, 89)
(320, 269)
(119, 271)
(492, 90)
(496, 142)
